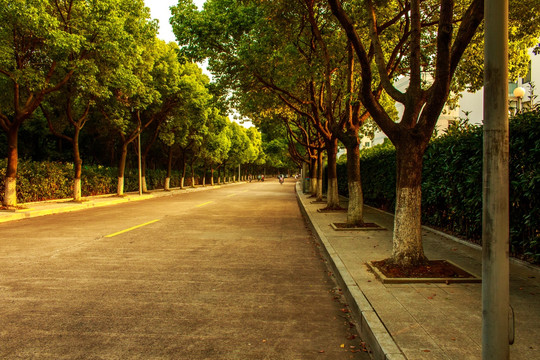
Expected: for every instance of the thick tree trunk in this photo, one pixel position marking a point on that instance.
(407, 242)
(77, 191)
(10, 184)
(212, 176)
(121, 170)
(332, 191)
(167, 184)
(355, 210)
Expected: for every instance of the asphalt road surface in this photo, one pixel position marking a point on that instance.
(228, 273)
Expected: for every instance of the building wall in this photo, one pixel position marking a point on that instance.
(474, 102)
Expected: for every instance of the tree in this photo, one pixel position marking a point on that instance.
(415, 38)
(186, 127)
(40, 46)
(131, 84)
(247, 47)
(255, 153)
(68, 110)
(173, 83)
(238, 152)
(217, 142)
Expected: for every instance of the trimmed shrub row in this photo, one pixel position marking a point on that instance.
(452, 183)
(37, 181)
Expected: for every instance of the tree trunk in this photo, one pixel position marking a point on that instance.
(121, 170)
(212, 176)
(355, 210)
(143, 173)
(77, 191)
(332, 191)
(167, 184)
(319, 182)
(10, 184)
(407, 242)
(313, 176)
(183, 171)
(192, 176)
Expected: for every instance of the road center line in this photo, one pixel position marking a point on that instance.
(131, 228)
(231, 195)
(206, 203)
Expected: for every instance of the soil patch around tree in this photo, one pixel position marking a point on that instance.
(331, 210)
(355, 227)
(434, 271)
(13, 208)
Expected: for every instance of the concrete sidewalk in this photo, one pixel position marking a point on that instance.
(421, 321)
(49, 207)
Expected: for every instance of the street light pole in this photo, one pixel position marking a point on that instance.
(495, 214)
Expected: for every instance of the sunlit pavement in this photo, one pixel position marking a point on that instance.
(422, 321)
(227, 274)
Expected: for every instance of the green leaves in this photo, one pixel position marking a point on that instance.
(452, 182)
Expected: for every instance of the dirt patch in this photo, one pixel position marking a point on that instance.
(356, 226)
(13, 208)
(432, 269)
(331, 209)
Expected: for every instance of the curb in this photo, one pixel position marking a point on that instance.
(369, 325)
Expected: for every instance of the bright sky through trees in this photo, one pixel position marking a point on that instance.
(160, 10)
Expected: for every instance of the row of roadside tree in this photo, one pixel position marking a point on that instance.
(326, 71)
(94, 74)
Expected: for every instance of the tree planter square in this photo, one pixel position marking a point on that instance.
(462, 276)
(366, 227)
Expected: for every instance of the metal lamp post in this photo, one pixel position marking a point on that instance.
(495, 214)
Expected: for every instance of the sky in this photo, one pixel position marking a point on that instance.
(160, 10)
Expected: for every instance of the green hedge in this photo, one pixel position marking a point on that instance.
(37, 181)
(452, 182)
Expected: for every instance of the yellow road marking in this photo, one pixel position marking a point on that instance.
(206, 203)
(131, 228)
(230, 195)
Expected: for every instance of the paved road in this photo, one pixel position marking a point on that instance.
(230, 273)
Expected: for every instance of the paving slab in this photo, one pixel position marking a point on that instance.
(423, 320)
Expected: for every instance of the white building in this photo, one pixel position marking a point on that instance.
(473, 103)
